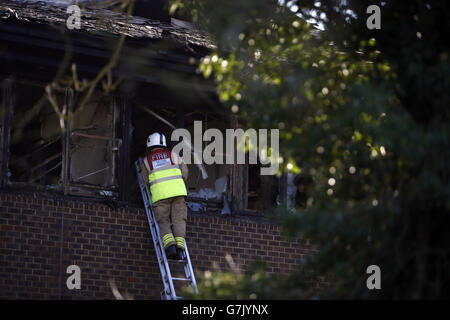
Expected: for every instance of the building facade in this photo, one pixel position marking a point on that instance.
(69, 194)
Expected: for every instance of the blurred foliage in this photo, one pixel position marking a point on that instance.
(366, 114)
(254, 283)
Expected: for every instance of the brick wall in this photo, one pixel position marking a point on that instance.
(115, 244)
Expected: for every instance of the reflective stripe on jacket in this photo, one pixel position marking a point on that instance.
(165, 177)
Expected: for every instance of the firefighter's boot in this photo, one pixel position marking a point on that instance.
(180, 254)
(171, 252)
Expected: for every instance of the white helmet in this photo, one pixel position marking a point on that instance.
(156, 139)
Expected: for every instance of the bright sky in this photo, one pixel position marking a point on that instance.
(294, 8)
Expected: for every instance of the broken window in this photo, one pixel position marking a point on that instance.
(93, 147)
(227, 186)
(34, 157)
(203, 194)
(211, 193)
(81, 155)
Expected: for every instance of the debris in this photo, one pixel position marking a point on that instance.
(219, 193)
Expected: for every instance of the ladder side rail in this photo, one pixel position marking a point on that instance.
(188, 270)
(156, 236)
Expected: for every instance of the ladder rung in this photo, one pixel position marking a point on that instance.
(179, 261)
(181, 279)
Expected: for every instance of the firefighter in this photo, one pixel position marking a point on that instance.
(165, 172)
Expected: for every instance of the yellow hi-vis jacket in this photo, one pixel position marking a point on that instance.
(165, 178)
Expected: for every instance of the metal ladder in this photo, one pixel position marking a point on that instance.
(168, 292)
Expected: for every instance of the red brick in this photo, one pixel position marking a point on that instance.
(116, 244)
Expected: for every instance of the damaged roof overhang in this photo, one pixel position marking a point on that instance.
(104, 21)
(35, 42)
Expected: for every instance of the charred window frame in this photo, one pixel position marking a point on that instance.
(92, 152)
(57, 156)
(250, 192)
(6, 115)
